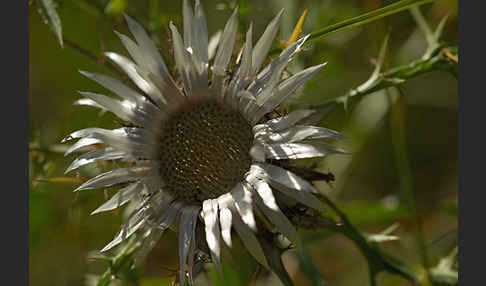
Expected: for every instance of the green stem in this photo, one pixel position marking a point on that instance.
(399, 75)
(360, 20)
(377, 261)
(398, 136)
(366, 18)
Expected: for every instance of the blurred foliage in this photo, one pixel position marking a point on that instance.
(393, 204)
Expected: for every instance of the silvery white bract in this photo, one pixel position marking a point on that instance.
(199, 151)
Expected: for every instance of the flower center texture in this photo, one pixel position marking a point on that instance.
(204, 150)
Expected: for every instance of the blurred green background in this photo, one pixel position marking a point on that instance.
(374, 186)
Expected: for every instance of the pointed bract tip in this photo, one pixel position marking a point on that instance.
(304, 38)
(109, 54)
(320, 66)
(65, 139)
(85, 73)
(127, 18)
(108, 247)
(118, 33)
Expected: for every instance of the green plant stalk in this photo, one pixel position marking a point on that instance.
(377, 261)
(399, 75)
(398, 136)
(360, 20)
(365, 18)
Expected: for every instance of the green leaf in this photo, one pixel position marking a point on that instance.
(48, 12)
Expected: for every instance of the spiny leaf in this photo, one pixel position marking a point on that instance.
(48, 12)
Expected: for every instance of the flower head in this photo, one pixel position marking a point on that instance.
(201, 152)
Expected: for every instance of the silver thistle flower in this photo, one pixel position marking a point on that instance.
(200, 152)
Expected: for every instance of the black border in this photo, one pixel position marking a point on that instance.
(472, 103)
(15, 138)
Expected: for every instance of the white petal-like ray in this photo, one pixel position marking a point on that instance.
(296, 133)
(248, 238)
(147, 46)
(246, 101)
(183, 60)
(143, 108)
(285, 89)
(124, 110)
(96, 155)
(266, 202)
(138, 143)
(225, 216)
(257, 152)
(243, 203)
(291, 84)
(158, 72)
(151, 238)
(135, 74)
(299, 150)
(291, 185)
(134, 222)
(211, 221)
(229, 217)
(115, 86)
(169, 215)
(286, 178)
(264, 43)
(200, 41)
(241, 79)
(122, 197)
(188, 18)
(270, 75)
(120, 236)
(213, 44)
(133, 49)
(86, 132)
(226, 221)
(288, 120)
(225, 49)
(89, 102)
(83, 142)
(187, 225)
(114, 177)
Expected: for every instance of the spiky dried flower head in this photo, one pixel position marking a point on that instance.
(205, 149)
(201, 152)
